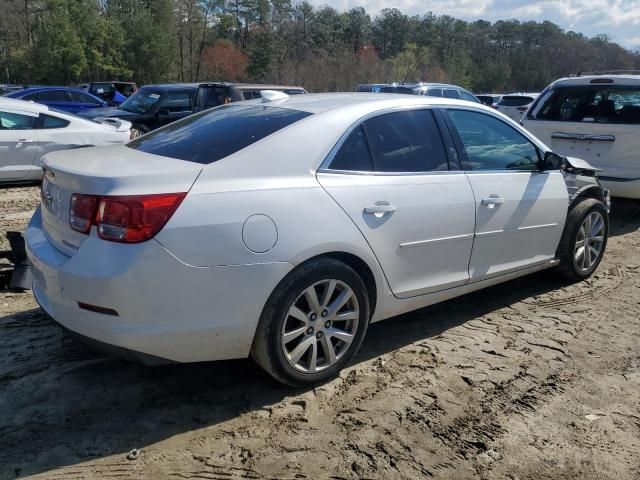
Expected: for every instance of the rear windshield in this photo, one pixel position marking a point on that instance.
(589, 103)
(397, 90)
(208, 136)
(515, 101)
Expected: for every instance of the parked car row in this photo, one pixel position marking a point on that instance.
(429, 89)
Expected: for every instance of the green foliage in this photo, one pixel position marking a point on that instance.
(70, 41)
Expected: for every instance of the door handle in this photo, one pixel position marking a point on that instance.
(387, 208)
(493, 200)
(25, 140)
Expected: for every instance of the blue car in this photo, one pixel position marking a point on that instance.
(71, 100)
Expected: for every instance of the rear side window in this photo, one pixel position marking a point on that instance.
(589, 103)
(82, 97)
(515, 101)
(211, 96)
(49, 121)
(211, 135)
(54, 96)
(400, 142)
(434, 92)
(449, 93)
(406, 141)
(15, 121)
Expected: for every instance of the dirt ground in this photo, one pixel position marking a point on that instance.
(532, 379)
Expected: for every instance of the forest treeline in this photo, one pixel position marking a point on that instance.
(283, 41)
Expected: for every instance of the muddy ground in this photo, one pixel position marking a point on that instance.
(532, 379)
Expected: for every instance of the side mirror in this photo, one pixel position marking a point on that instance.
(552, 161)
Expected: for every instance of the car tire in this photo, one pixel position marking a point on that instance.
(138, 130)
(576, 261)
(291, 324)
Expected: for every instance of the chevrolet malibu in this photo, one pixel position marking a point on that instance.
(279, 229)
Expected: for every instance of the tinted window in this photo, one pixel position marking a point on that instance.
(354, 154)
(449, 93)
(211, 135)
(589, 103)
(31, 96)
(177, 102)
(15, 121)
(82, 97)
(54, 96)
(467, 96)
(434, 92)
(142, 101)
(364, 88)
(515, 101)
(491, 144)
(211, 96)
(397, 90)
(49, 121)
(406, 141)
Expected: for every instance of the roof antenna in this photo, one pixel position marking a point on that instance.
(272, 95)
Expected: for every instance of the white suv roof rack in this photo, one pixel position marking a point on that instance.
(606, 72)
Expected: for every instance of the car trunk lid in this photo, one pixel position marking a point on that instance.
(103, 171)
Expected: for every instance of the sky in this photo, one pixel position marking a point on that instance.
(620, 19)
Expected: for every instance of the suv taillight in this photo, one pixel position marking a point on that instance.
(127, 218)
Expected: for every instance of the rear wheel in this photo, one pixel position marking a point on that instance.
(313, 323)
(584, 240)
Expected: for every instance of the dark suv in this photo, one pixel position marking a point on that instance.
(151, 106)
(218, 93)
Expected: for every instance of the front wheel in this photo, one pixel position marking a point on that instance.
(584, 239)
(313, 323)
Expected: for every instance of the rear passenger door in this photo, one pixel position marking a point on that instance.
(520, 211)
(391, 175)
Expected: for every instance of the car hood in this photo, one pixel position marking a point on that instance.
(581, 164)
(108, 112)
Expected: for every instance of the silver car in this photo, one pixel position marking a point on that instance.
(281, 228)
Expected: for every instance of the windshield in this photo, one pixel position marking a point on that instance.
(515, 101)
(208, 136)
(141, 102)
(589, 103)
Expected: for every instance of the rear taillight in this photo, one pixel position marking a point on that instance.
(82, 213)
(128, 219)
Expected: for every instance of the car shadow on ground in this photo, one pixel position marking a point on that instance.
(624, 217)
(65, 404)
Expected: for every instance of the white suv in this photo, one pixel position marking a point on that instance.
(515, 104)
(597, 118)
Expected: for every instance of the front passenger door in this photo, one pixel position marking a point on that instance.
(520, 211)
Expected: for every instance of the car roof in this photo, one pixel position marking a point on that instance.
(167, 87)
(15, 104)
(626, 79)
(324, 102)
(28, 90)
(263, 86)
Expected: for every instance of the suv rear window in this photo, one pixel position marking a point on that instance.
(514, 101)
(208, 136)
(589, 103)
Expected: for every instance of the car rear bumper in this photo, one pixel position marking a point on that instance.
(156, 305)
(621, 187)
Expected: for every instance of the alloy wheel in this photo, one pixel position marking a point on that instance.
(320, 326)
(589, 241)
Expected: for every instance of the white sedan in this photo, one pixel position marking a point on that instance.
(280, 229)
(29, 130)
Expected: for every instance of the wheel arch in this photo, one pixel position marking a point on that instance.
(588, 191)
